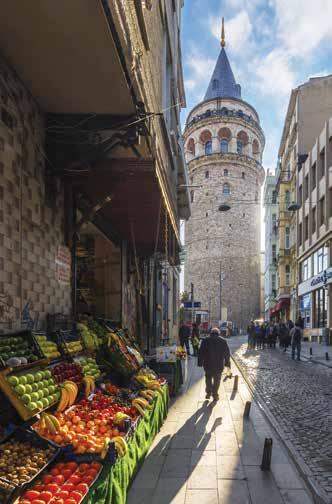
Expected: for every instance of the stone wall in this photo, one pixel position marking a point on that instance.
(30, 230)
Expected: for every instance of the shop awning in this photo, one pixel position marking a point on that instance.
(137, 211)
(283, 304)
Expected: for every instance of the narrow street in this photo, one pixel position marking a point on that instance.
(207, 453)
(298, 395)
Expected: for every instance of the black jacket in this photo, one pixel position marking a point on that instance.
(214, 354)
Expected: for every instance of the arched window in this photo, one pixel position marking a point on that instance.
(241, 141)
(226, 188)
(255, 147)
(224, 146)
(225, 172)
(239, 147)
(192, 196)
(206, 174)
(243, 175)
(208, 148)
(191, 146)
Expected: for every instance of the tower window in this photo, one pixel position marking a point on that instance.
(208, 148)
(192, 196)
(226, 188)
(239, 147)
(225, 172)
(206, 174)
(206, 214)
(215, 84)
(224, 146)
(243, 175)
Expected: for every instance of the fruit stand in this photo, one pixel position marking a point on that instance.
(83, 408)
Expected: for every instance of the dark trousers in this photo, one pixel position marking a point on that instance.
(212, 382)
(297, 347)
(186, 344)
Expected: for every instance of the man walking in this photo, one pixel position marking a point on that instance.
(296, 338)
(213, 355)
(184, 335)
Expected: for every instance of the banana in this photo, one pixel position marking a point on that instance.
(49, 425)
(89, 384)
(120, 417)
(64, 400)
(143, 402)
(55, 422)
(120, 445)
(42, 422)
(105, 447)
(72, 390)
(139, 408)
(146, 395)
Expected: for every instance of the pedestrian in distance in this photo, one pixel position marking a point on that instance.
(296, 337)
(184, 335)
(257, 336)
(251, 335)
(274, 336)
(195, 338)
(213, 356)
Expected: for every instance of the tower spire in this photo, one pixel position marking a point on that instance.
(222, 41)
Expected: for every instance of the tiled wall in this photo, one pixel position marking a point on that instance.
(30, 230)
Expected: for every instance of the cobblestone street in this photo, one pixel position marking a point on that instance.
(298, 394)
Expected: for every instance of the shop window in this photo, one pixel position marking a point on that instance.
(225, 172)
(305, 309)
(322, 164)
(287, 238)
(313, 176)
(320, 308)
(287, 275)
(208, 148)
(322, 210)
(313, 220)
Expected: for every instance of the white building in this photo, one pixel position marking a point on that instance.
(270, 221)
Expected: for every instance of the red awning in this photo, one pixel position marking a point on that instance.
(283, 304)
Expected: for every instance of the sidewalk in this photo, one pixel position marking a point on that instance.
(318, 352)
(206, 453)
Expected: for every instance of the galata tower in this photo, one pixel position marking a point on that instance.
(224, 143)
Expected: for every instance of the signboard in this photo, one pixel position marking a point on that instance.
(189, 304)
(166, 353)
(63, 264)
(315, 282)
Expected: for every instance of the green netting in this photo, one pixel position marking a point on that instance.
(113, 483)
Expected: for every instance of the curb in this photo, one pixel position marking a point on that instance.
(310, 359)
(319, 496)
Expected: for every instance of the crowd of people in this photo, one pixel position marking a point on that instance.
(268, 334)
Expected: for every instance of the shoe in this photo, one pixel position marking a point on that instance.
(207, 396)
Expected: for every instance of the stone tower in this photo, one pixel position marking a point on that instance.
(223, 146)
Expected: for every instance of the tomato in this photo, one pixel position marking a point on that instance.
(31, 495)
(63, 494)
(47, 478)
(75, 479)
(87, 479)
(72, 466)
(68, 487)
(59, 479)
(52, 487)
(46, 496)
(37, 501)
(76, 496)
(70, 501)
(83, 488)
(39, 488)
(54, 471)
(67, 473)
(84, 467)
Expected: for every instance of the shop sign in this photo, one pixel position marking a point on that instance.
(166, 353)
(315, 282)
(63, 265)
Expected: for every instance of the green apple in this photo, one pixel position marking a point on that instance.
(44, 383)
(47, 373)
(50, 382)
(38, 376)
(40, 394)
(23, 380)
(57, 395)
(30, 378)
(45, 402)
(20, 389)
(28, 388)
(34, 396)
(51, 389)
(34, 387)
(13, 380)
(32, 406)
(26, 399)
(40, 404)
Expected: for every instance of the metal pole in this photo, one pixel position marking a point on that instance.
(192, 303)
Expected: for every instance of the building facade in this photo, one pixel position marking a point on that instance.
(270, 222)
(314, 185)
(224, 143)
(92, 186)
(310, 105)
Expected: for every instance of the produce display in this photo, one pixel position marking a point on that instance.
(36, 389)
(49, 348)
(20, 461)
(67, 371)
(114, 355)
(88, 336)
(90, 367)
(65, 483)
(17, 351)
(74, 346)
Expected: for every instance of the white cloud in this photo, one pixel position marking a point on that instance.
(303, 25)
(199, 71)
(274, 74)
(238, 30)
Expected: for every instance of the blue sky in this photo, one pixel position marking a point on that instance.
(272, 45)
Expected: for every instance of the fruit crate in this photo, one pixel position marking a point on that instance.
(70, 338)
(43, 340)
(11, 340)
(58, 468)
(14, 397)
(10, 490)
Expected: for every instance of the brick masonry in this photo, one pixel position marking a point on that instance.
(227, 240)
(30, 230)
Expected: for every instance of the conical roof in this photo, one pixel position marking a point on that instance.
(222, 83)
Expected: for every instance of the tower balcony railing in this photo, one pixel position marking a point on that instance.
(224, 112)
(231, 156)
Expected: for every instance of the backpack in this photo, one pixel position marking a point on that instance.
(297, 335)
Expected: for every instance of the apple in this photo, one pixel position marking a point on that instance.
(39, 405)
(20, 389)
(26, 398)
(34, 387)
(13, 380)
(46, 402)
(34, 396)
(23, 380)
(32, 406)
(39, 376)
(28, 388)
(45, 496)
